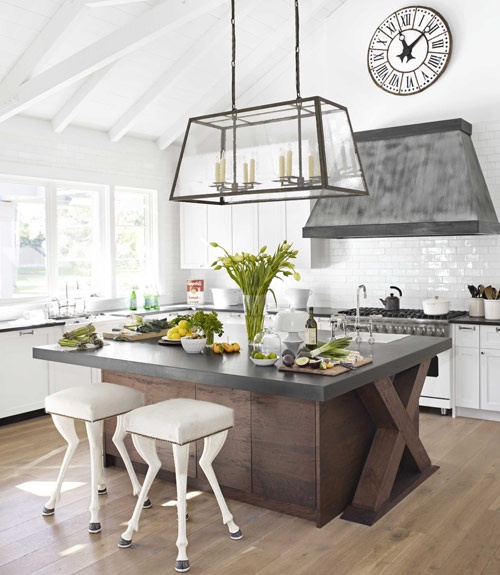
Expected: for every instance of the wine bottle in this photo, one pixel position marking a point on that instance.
(311, 340)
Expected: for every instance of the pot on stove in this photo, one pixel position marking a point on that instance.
(391, 302)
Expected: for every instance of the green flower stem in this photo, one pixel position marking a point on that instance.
(254, 314)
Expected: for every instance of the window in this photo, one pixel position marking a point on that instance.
(134, 239)
(23, 241)
(73, 240)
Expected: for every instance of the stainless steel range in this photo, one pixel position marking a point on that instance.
(437, 391)
(403, 321)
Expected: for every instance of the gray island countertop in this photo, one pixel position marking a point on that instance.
(235, 370)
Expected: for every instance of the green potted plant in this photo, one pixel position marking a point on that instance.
(253, 274)
(208, 323)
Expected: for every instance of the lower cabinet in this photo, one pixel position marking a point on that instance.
(476, 365)
(24, 381)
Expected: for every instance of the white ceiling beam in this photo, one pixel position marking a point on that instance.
(191, 58)
(257, 64)
(151, 25)
(40, 46)
(73, 105)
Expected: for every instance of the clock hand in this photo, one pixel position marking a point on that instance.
(407, 50)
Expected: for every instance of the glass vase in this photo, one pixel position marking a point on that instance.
(254, 306)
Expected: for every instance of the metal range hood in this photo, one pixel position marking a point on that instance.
(423, 180)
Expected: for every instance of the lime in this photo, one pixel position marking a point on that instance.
(302, 361)
(259, 355)
(271, 355)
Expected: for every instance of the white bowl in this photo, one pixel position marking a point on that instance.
(264, 362)
(193, 345)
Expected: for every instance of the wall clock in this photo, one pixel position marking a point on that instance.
(409, 50)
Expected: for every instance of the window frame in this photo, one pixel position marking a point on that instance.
(105, 272)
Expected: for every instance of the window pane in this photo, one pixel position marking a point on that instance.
(23, 262)
(132, 239)
(77, 240)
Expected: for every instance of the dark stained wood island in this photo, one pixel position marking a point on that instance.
(307, 445)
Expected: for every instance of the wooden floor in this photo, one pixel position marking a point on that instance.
(450, 525)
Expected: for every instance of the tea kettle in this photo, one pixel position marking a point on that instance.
(391, 302)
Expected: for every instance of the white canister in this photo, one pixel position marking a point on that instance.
(491, 309)
(476, 307)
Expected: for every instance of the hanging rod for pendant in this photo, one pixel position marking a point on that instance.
(233, 57)
(297, 50)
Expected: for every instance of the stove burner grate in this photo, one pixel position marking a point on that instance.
(402, 313)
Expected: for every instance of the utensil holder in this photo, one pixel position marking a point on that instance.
(476, 307)
(491, 309)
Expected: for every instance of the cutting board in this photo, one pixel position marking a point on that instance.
(335, 370)
(131, 336)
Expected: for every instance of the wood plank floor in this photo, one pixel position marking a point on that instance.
(448, 526)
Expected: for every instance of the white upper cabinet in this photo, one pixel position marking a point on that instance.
(246, 228)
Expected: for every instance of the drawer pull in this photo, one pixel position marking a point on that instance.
(470, 328)
(497, 329)
(30, 332)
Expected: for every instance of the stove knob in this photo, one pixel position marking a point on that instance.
(422, 330)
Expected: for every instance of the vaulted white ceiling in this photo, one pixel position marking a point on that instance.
(142, 67)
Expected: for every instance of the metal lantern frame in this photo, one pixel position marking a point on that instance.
(273, 134)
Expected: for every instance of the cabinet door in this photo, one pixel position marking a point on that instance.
(490, 382)
(272, 228)
(245, 228)
(219, 229)
(193, 225)
(466, 377)
(24, 381)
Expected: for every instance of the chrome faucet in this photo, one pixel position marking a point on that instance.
(357, 321)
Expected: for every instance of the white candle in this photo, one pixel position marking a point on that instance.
(343, 159)
(353, 160)
(223, 169)
(311, 166)
(252, 170)
(282, 165)
(245, 172)
(289, 162)
(217, 171)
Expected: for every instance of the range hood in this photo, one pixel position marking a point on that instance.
(423, 180)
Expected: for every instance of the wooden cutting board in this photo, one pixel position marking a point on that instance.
(131, 336)
(335, 370)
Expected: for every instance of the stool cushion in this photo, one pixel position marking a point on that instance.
(179, 420)
(94, 401)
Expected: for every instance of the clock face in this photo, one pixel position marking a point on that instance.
(409, 50)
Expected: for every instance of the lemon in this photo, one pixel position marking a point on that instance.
(174, 336)
(184, 324)
(182, 331)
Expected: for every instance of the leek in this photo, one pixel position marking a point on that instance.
(333, 349)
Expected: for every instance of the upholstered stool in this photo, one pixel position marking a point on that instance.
(180, 422)
(92, 403)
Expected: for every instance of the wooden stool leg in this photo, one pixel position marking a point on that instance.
(94, 432)
(181, 459)
(146, 446)
(212, 446)
(66, 427)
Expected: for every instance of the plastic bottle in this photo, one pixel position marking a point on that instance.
(155, 304)
(147, 298)
(311, 339)
(133, 301)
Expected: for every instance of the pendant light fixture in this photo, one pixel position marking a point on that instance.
(293, 150)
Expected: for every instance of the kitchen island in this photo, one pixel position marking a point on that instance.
(308, 445)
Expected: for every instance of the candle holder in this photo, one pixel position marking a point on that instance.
(234, 186)
(295, 181)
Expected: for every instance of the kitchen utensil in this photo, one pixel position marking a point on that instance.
(436, 306)
(226, 297)
(476, 307)
(480, 287)
(488, 292)
(391, 302)
(473, 290)
(491, 309)
(298, 297)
